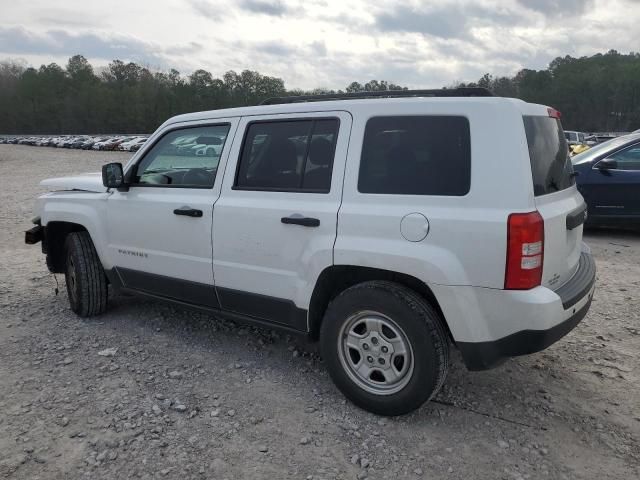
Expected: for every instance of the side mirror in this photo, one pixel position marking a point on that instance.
(607, 164)
(112, 175)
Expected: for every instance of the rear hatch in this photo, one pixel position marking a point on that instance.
(556, 197)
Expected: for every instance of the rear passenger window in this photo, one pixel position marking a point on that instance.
(294, 155)
(416, 155)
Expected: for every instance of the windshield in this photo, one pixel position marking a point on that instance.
(597, 150)
(549, 155)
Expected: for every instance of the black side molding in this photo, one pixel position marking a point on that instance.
(250, 307)
(263, 307)
(577, 217)
(168, 287)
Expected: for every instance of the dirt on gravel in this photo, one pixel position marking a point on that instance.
(154, 391)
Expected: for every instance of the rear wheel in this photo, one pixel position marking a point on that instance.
(84, 275)
(385, 347)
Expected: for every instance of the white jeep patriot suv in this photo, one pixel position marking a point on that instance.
(387, 228)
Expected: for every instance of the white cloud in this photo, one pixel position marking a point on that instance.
(324, 43)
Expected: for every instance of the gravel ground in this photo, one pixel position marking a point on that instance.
(153, 391)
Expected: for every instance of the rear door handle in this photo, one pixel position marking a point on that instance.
(188, 212)
(300, 220)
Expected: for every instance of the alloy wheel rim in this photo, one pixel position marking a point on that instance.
(375, 352)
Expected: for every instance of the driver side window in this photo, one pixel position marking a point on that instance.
(186, 158)
(627, 159)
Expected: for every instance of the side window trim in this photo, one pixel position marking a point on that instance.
(133, 170)
(313, 119)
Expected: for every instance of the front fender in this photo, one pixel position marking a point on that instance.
(82, 208)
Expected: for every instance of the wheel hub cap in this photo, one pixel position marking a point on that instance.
(375, 353)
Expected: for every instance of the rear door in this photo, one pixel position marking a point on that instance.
(556, 198)
(274, 225)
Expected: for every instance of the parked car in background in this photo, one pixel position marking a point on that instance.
(66, 143)
(609, 180)
(77, 142)
(88, 143)
(126, 145)
(575, 138)
(106, 144)
(98, 145)
(114, 143)
(136, 146)
(591, 140)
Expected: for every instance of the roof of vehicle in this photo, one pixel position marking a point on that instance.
(356, 103)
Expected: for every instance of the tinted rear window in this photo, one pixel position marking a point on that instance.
(416, 155)
(549, 155)
(295, 155)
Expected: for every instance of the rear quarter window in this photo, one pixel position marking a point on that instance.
(551, 168)
(416, 155)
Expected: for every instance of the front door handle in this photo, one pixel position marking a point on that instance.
(300, 220)
(188, 212)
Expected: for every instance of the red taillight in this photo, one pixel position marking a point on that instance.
(553, 113)
(525, 251)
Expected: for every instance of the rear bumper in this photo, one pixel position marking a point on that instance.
(485, 355)
(511, 323)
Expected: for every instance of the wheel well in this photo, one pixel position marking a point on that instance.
(334, 280)
(53, 246)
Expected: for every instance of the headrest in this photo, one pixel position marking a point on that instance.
(320, 152)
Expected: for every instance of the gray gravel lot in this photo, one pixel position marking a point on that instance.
(184, 395)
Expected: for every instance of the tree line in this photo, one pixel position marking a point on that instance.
(597, 93)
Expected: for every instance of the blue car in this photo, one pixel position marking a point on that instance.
(608, 177)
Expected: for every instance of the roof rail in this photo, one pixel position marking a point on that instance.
(442, 92)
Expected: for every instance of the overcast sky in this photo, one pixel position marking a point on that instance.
(321, 43)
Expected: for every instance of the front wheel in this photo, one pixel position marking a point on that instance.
(84, 275)
(385, 347)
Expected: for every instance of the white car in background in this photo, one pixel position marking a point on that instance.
(99, 145)
(129, 144)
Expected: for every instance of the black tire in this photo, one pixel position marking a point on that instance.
(84, 275)
(418, 321)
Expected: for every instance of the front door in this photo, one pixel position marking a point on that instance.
(275, 221)
(160, 229)
(616, 192)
